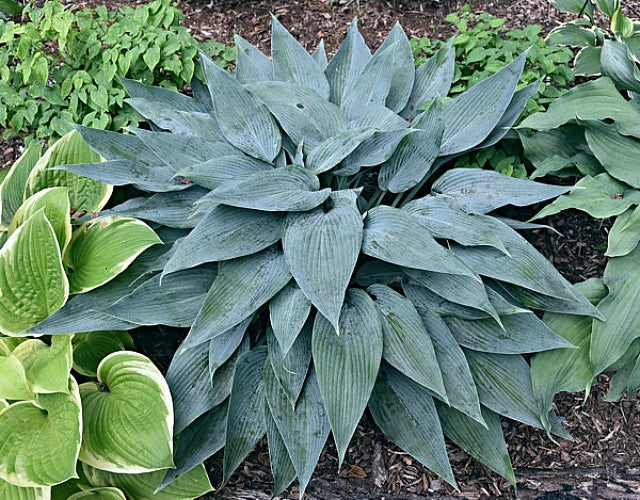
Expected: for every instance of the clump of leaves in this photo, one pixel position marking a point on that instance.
(321, 260)
(60, 66)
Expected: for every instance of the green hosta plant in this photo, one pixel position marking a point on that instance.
(42, 261)
(323, 263)
(118, 424)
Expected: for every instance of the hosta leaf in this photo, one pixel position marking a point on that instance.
(118, 147)
(170, 98)
(432, 79)
(320, 55)
(290, 188)
(395, 236)
(304, 430)
(32, 278)
(347, 364)
(614, 151)
(373, 151)
(472, 116)
(241, 287)
(281, 467)
(291, 368)
(84, 193)
(407, 345)
(226, 233)
(127, 416)
(588, 62)
(251, 64)
(302, 113)
(193, 484)
(222, 347)
(336, 148)
(13, 384)
(596, 100)
(55, 202)
(201, 440)
(288, 313)
(321, 248)
(600, 196)
(245, 420)
(345, 66)
(610, 339)
(618, 64)
(226, 167)
(27, 429)
(504, 386)
(102, 248)
(247, 125)
(10, 492)
(405, 412)
(456, 374)
(101, 493)
(90, 348)
(47, 367)
(13, 185)
(485, 444)
(292, 63)
(521, 333)
(482, 191)
(625, 233)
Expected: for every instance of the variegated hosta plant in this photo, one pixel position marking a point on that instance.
(322, 264)
(118, 423)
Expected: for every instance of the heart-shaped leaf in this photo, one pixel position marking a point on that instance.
(91, 348)
(47, 367)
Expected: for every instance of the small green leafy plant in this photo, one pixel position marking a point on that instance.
(9, 8)
(323, 262)
(60, 66)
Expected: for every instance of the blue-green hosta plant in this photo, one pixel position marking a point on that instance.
(323, 263)
(117, 424)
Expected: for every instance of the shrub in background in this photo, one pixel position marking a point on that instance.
(314, 272)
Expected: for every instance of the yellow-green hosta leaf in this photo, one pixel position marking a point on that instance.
(193, 484)
(102, 248)
(13, 185)
(13, 379)
(33, 284)
(99, 494)
(84, 193)
(128, 416)
(55, 202)
(47, 367)
(11, 492)
(40, 440)
(90, 348)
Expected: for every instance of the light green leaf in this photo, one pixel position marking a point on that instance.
(151, 57)
(102, 248)
(14, 184)
(91, 348)
(288, 312)
(10, 492)
(347, 364)
(47, 367)
(625, 233)
(27, 431)
(13, 383)
(32, 278)
(127, 416)
(84, 194)
(321, 248)
(405, 412)
(99, 494)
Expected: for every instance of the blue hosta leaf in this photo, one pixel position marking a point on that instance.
(407, 345)
(304, 430)
(216, 171)
(472, 116)
(242, 286)
(245, 420)
(290, 188)
(372, 114)
(395, 236)
(320, 55)
(347, 364)
(224, 346)
(252, 65)
(345, 66)
(624, 236)
(291, 368)
(226, 233)
(301, 112)
(432, 80)
(331, 152)
(405, 412)
(169, 98)
(373, 151)
(619, 65)
(485, 444)
(458, 381)
(282, 469)
(114, 146)
(481, 191)
(244, 122)
(292, 63)
(288, 312)
(321, 248)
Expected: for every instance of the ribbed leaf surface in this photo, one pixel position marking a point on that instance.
(252, 66)
(283, 471)
(46, 367)
(288, 312)
(226, 167)
(13, 185)
(291, 368)
(332, 151)
(90, 348)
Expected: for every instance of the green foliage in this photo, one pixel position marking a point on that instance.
(61, 66)
(9, 8)
(304, 251)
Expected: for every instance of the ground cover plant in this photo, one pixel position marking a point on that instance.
(322, 260)
(60, 66)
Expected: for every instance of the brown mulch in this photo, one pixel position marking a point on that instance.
(603, 460)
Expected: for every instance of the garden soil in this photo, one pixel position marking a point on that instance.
(603, 459)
